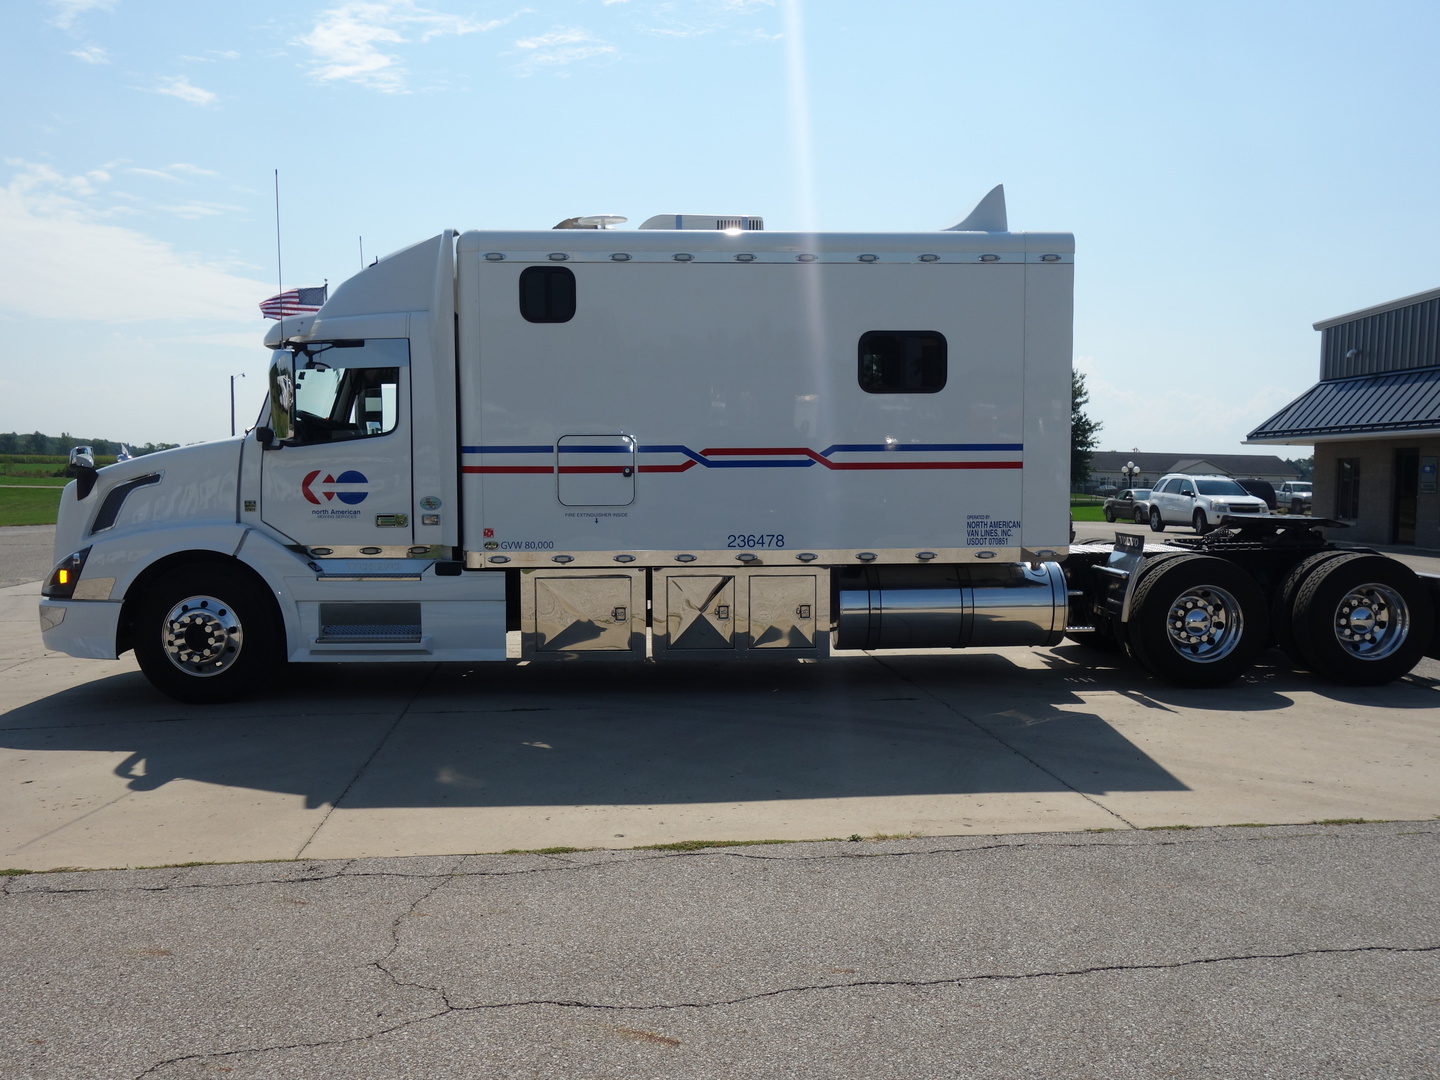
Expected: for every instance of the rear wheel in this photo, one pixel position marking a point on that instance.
(1198, 621)
(207, 633)
(1200, 523)
(1282, 609)
(1157, 523)
(1362, 619)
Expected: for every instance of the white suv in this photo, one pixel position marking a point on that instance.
(1198, 501)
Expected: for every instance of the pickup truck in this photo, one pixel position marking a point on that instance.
(1294, 496)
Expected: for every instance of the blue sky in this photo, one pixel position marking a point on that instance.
(1232, 172)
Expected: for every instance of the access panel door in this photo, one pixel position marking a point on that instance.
(596, 470)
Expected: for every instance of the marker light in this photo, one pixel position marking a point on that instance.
(868, 258)
(620, 256)
(989, 258)
(744, 258)
(806, 258)
(929, 258)
(60, 585)
(494, 256)
(1049, 258)
(557, 256)
(682, 257)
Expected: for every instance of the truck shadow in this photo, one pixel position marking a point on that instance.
(438, 735)
(580, 734)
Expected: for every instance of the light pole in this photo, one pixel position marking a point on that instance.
(1129, 470)
(232, 400)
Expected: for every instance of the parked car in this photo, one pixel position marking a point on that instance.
(1296, 496)
(1261, 489)
(1130, 505)
(1198, 501)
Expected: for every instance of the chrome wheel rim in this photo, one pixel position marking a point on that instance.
(1204, 624)
(1371, 621)
(201, 636)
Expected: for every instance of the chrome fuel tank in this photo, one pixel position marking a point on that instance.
(950, 607)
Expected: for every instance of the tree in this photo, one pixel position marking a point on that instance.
(1083, 431)
(1305, 466)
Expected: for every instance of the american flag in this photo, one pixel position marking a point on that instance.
(294, 302)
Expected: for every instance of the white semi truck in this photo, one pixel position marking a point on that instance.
(692, 440)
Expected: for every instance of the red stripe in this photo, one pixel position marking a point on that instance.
(690, 464)
(592, 468)
(507, 469)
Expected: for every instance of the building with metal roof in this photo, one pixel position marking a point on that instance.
(1374, 419)
(1112, 468)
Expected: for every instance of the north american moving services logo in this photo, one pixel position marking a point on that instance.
(346, 487)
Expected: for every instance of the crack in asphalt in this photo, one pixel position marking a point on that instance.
(564, 1003)
(560, 865)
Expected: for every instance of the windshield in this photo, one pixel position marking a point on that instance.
(1142, 493)
(1219, 487)
(1303, 485)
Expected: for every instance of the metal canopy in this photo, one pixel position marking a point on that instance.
(1395, 403)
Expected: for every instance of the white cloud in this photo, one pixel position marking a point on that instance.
(347, 41)
(180, 87)
(92, 54)
(67, 11)
(64, 261)
(559, 48)
(169, 171)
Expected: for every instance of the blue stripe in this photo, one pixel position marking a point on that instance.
(675, 450)
(596, 450)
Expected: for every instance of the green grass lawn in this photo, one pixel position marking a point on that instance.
(1086, 513)
(22, 480)
(29, 506)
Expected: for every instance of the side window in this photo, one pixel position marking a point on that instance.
(1171, 486)
(337, 403)
(547, 294)
(902, 362)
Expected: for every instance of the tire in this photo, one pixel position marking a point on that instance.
(1200, 524)
(1282, 608)
(1110, 515)
(1297, 507)
(1198, 621)
(206, 633)
(1139, 515)
(1157, 523)
(1362, 620)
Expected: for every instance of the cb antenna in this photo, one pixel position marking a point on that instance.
(279, 268)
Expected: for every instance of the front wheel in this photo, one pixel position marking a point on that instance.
(1110, 514)
(1200, 523)
(1198, 621)
(1139, 515)
(206, 633)
(1362, 619)
(1157, 523)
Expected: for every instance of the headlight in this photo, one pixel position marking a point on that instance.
(60, 585)
(1220, 507)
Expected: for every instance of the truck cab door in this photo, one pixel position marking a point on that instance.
(338, 480)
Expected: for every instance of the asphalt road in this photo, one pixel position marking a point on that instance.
(1047, 919)
(1281, 952)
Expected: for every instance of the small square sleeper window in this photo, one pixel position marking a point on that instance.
(902, 362)
(547, 294)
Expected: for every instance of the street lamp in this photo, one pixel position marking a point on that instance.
(1129, 470)
(232, 400)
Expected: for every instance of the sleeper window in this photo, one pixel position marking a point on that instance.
(547, 294)
(902, 362)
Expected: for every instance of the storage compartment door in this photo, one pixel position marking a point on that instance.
(782, 612)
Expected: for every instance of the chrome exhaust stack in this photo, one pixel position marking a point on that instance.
(950, 607)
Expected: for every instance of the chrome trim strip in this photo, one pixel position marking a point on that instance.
(768, 557)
